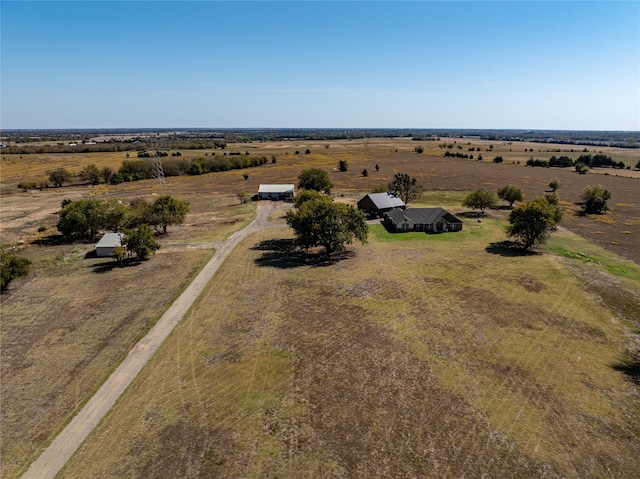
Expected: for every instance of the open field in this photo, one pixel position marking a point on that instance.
(523, 354)
(79, 316)
(434, 356)
(66, 329)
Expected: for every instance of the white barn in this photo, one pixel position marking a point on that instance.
(107, 243)
(276, 192)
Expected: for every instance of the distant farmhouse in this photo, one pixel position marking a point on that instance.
(376, 204)
(436, 220)
(276, 192)
(107, 243)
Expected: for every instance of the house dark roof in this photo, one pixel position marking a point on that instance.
(421, 215)
(386, 200)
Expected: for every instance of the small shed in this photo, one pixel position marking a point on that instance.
(107, 243)
(276, 192)
(379, 203)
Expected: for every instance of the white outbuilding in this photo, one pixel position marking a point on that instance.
(276, 192)
(107, 243)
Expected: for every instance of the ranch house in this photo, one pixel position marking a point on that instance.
(431, 220)
(107, 243)
(276, 192)
(376, 204)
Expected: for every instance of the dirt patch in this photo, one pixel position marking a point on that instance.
(184, 449)
(530, 283)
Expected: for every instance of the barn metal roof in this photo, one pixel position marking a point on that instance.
(275, 188)
(386, 200)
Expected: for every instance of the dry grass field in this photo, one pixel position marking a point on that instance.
(71, 322)
(413, 356)
(618, 230)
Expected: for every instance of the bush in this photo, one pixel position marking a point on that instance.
(595, 198)
(12, 266)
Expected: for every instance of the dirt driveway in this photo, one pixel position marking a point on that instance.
(65, 444)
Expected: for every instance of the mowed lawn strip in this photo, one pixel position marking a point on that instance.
(66, 329)
(412, 356)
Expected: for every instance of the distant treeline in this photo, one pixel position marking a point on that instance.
(134, 170)
(595, 161)
(112, 145)
(206, 138)
(144, 169)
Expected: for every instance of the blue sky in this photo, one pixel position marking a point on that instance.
(135, 64)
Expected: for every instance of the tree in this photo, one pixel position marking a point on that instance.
(321, 222)
(140, 241)
(119, 254)
(139, 212)
(12, 266)
(82, 218)
(405, 187)
(479, 157)
(315, 179)
(365, 172)
(115, 215)
(90, 173)
(307, 195)
(510, 194)
(498, 159)
(343, 165)
(419, 149)
(107, 174)
(530, 222)
(167, 211)
(554, 201)
(638, 165)
(554, 184)
(59, 177)
(480, 199)
(595, 199)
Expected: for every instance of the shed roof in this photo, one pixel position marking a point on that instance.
(386, 200)
(275, 188)
(110, 240)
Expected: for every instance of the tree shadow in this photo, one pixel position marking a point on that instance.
(283, 254)
(107, 266)
(56, 240)
(509, 249)
(470, 214)
(631, 369)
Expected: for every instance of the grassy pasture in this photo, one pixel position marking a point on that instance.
(66, 329)
(78, 316)
(413, 356)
